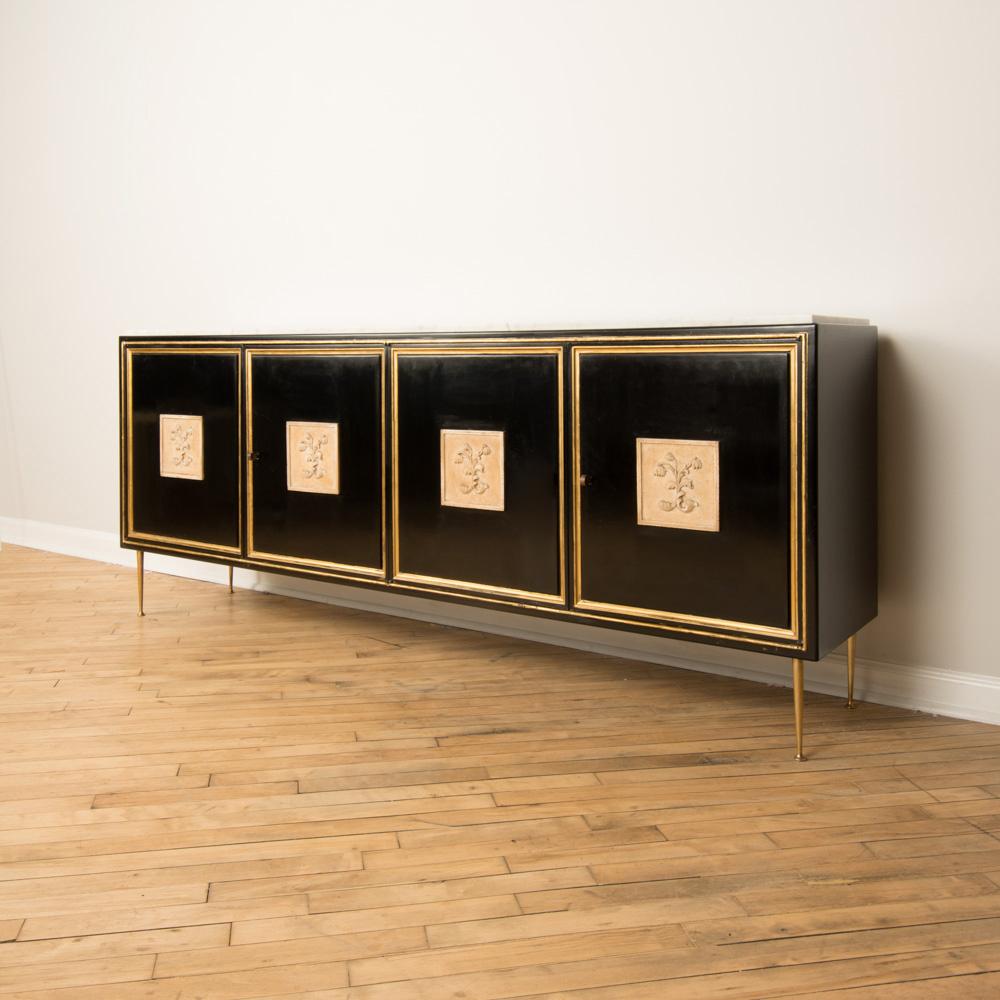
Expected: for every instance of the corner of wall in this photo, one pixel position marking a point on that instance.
(11, 495)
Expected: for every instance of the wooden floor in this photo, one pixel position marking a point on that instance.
(249, 796)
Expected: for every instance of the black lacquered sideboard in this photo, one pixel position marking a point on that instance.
(714, 484)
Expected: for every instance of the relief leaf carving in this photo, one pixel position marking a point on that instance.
(680, 484)
(182, 447)
(677, 483)
(472, 472)
(475, 471)
(313, 455)
(182, 442)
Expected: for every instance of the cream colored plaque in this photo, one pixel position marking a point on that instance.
(182, 448)
(313, 457)
(472, 469)
(677, 483)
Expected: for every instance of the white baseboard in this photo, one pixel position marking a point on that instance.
(928, 689)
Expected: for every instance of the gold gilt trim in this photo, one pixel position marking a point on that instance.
(389, 586)
(794, 348)
(403, 340)
(543, 337)
(130, 533)
(261, 564)
(573, 614)
(476, 350)
(794, 341)
(305, 351)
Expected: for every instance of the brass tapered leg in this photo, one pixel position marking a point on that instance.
(851, 650)
(230, 579)
(138, 575)
(798, 691)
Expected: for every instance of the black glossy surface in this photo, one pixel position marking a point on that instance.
(740, 573)
(343, 528)
(698, 574)
(204, 510)
(517, 394)
(846, 482)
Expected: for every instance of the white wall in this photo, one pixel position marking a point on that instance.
(320, 164)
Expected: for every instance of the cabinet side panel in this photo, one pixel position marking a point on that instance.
(847, 449)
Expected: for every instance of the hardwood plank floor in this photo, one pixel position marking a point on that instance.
(244, 796)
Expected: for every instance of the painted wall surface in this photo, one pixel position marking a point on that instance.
(242, 165)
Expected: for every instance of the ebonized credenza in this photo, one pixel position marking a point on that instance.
(715, 484)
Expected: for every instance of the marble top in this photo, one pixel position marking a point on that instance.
(661, 323)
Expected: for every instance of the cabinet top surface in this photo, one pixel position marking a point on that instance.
(662, 327)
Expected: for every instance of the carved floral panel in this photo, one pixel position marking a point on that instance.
(312, 457)
(677, 483)
(182, 449)
(472, 469)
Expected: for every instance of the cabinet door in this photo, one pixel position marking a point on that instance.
(688, 461)
(316, 479)
(477, 470)
(182, 447)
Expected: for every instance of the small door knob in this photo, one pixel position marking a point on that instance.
(586, 480)
(253, 456)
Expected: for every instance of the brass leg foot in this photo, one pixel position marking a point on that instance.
(230, 579)
(798, 692)
(851, 649)
(138, 576)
